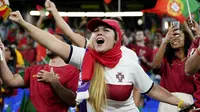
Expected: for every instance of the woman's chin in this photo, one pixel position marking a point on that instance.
(99, 50)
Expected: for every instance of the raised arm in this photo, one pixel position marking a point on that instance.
(160, 53)
(44, 38)
(188, 29)
(7, 76)
(194, 28)
(39, 22)
(74, 37)
(192, 64)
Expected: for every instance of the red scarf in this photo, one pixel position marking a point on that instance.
(108, 59)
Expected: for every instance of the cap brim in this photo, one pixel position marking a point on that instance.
(94, 23)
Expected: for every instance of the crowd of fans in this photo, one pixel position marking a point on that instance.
(162, 56)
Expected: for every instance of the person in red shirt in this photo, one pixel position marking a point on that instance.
(192, 65)
(170, 61)
(144, 53)
(52, 86)
(157, 42)
(30, 53)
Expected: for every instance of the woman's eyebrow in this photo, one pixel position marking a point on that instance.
(107, 27)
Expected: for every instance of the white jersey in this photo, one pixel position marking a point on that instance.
(132, 55)
(120, 81)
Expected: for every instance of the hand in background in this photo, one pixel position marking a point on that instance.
(50, 6)
(193, 25)
(16, 17)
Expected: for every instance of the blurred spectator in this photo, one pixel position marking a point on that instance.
(144, 53)
(11, 60)
(20, 61)
(10, 56)
(192, 65)
(12, 33)
(157, 42)
(170, 62)
(147, 35)
(52, 88)
(29, 53)
(125, 40)
(21, 40)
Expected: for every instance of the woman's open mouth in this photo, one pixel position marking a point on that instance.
(100, 41)
(175, 42)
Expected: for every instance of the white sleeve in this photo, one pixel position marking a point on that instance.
(140, 79)
(132, 55)
(135, 58)
(76, 56)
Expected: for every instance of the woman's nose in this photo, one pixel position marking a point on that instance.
(99, 33)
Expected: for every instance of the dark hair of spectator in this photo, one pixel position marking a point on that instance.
(170, 52)
(65, 38)
(12, 62)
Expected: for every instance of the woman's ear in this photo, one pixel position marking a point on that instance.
(122, 32)
(115, 41)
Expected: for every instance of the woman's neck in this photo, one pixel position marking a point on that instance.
(140, 43)
(180, 54)
(57, 62)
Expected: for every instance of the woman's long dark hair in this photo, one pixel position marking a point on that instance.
(11, 63)
(170, 52)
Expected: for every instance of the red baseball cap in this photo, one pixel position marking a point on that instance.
(94, 23)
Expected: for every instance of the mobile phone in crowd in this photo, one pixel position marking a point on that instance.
(176, 24)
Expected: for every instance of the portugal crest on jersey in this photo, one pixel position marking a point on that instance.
(120, 76)
(175, 7)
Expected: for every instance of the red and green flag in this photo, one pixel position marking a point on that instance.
(196, 15)
(4, 10)
(158, 9)
(41, 53)
(39, 8)
(177, 9)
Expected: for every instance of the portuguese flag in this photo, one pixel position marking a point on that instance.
(177, 9)
(196, 15)
(5, 11)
